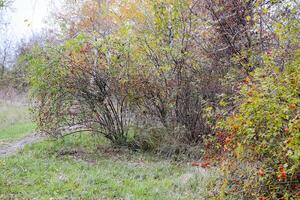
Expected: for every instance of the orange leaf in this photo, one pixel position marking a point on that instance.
(261, 172)
(198, 164)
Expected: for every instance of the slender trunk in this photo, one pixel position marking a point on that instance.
(2, 72)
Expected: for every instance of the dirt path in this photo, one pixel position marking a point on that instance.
(14, 147)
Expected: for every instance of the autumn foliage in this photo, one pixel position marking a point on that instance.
(171, 76)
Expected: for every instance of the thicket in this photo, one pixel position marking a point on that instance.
(262, 131)
(172, 76)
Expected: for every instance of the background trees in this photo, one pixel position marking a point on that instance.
(5, 45)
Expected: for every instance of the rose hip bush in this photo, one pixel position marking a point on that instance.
(264, 134)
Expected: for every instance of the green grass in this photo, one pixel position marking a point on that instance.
(16, 131)
(15, 122)
(77, 168)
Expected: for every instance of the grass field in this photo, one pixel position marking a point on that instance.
(15, 122)
(82, 167)
(78, 168)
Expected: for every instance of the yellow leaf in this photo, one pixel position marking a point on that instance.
(265, 10)
(248, 18)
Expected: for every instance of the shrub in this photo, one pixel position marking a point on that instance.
(264, 132)
(74, 92)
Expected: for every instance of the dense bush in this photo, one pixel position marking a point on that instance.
(263, 133)
(119, 79)
(73, 94)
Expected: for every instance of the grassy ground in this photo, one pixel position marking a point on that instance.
(78, 168)
(15, 122)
